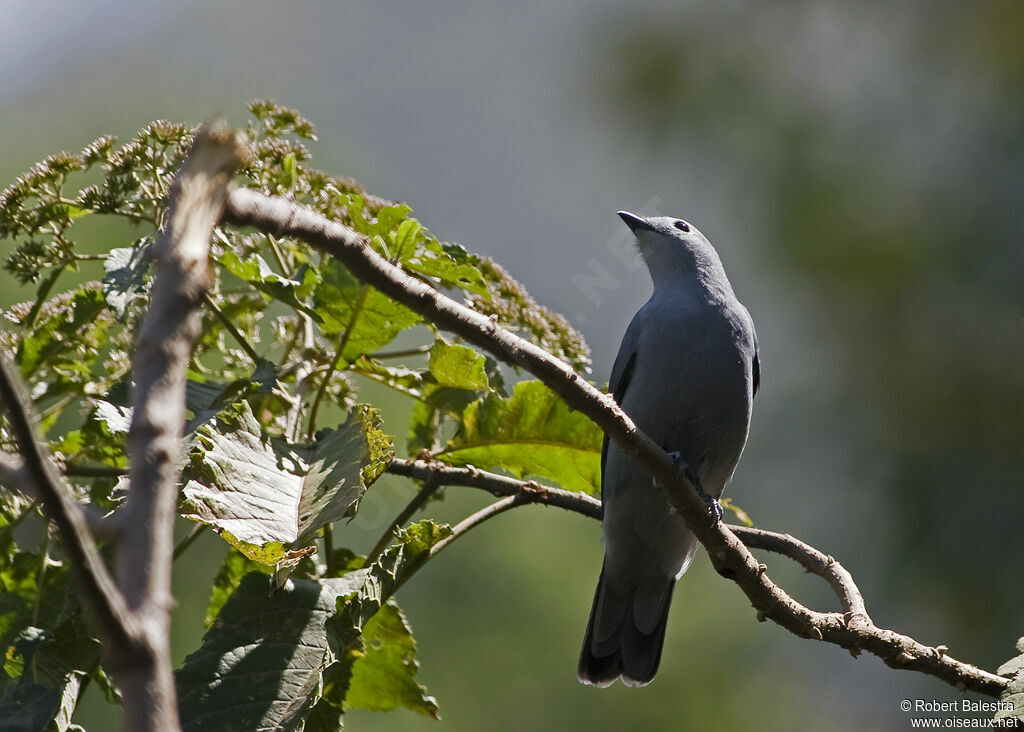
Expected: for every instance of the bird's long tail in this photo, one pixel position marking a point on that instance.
(626, 631)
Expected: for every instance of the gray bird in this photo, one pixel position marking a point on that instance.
(686, 373)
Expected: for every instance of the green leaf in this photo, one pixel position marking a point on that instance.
(257, 272)
(403, 241)
(1012, 698)
(260, 664)
(370, 318)
(431, 417)
(263, 491)
(451, 264)
(453, 364)
(71, 327)
(236, 566)
(530, 434)
(382, 684)
(29, 706)
(290, 166)
(55, 663)
(384, 677)
(411, 548)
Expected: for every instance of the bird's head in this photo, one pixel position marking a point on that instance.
(672, 247)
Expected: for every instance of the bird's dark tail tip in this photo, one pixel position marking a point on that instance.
(626, 651)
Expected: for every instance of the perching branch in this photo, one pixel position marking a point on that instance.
(531, 492)
(730, 557)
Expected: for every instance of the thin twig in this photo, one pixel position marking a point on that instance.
(401, 353)
(230, 328)
(429, 487)
(730, 557)
(194, 533)
(94, 471)
(329, 549)
(314, 411)
(497, 485)
(473, 520)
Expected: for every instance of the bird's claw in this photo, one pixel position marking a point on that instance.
(714, 507)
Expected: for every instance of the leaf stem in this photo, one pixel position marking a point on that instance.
(230, 328)
(41, 576)
(417, 351)
(278, 255)
(342, 342)
(188, 540)
(329, 549)
(430, 486)
(475, 519)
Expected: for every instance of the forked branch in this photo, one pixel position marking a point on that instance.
(729, 555)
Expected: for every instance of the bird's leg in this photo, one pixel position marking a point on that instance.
(714, 507)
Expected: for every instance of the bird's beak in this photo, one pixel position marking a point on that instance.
(634, 222)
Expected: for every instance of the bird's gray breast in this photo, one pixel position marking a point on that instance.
(691, 390)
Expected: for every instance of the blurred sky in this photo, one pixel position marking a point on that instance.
(859, 170)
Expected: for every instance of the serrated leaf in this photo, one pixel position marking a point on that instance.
(380, 683)
(453, 364)
(530, 434)
(384, 677)
(235, 566)
(28, 706)
(439, 406)
(264, 491)
(406, 380)
(1012, 698)
(389, 217)
(410, 549)
(255, 270)
(449, 263)
(404, 239)
(67, 330)
(260, 664)
(371, 319)
(55, 663)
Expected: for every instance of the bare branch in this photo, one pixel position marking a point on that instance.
(497, 485)
(475, 519)
(165, 344)
(730, 557)
(810, 559)
(430, 486)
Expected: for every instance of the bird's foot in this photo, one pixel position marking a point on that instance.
(714, 507)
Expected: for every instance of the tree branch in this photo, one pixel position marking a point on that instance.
(430, 486)
(165, 345)
(730, 557)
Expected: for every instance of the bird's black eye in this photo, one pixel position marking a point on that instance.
(682, 226)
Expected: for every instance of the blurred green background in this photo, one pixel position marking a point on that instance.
(860, 168)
